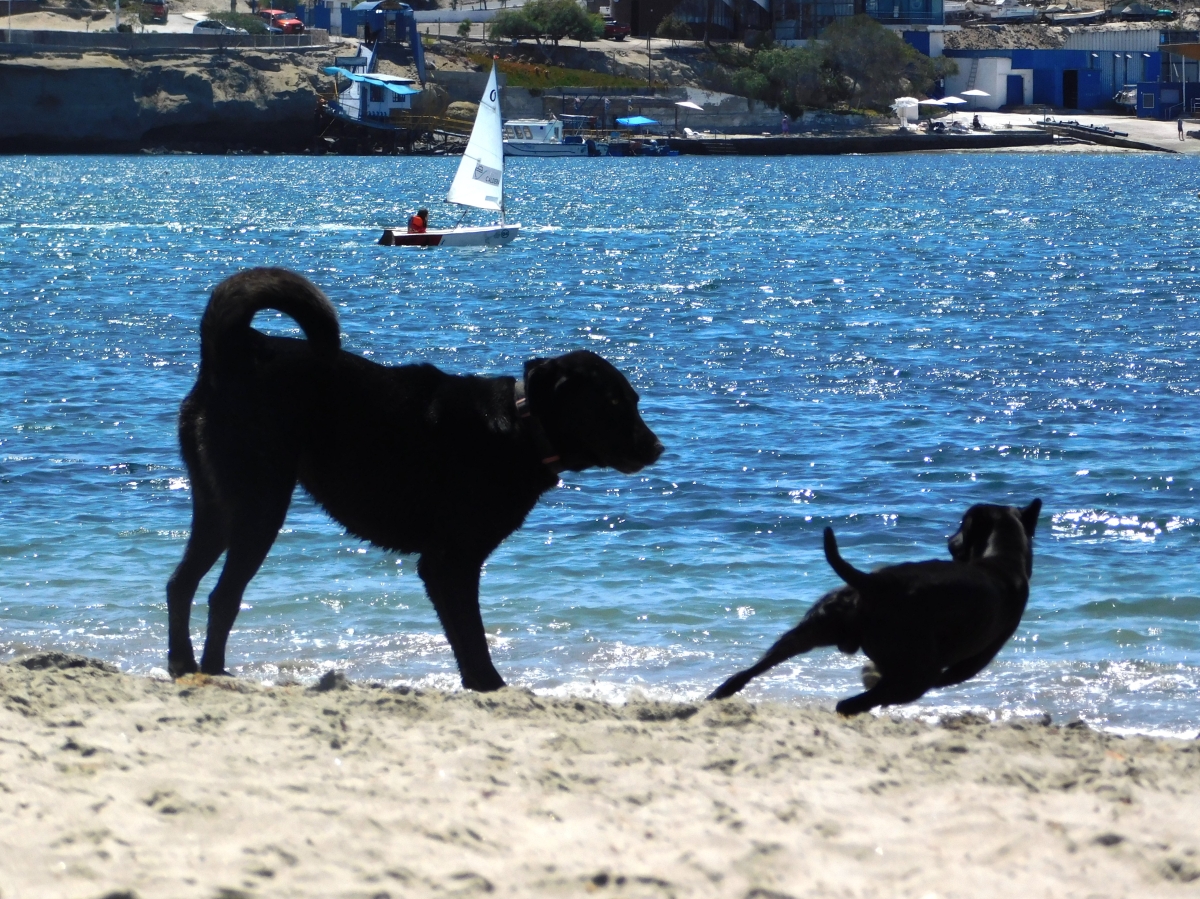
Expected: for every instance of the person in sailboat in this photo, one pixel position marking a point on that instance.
(419, 222)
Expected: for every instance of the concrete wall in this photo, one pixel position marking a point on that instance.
(156, 40)
(991, 74)
(723, 113)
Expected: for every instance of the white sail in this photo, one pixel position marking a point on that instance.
(479, 181)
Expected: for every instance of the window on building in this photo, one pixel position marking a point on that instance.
(1147, 101)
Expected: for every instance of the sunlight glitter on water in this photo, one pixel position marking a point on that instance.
(866, 343)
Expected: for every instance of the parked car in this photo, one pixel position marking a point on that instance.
(615, 31)
(211, 26)
(154, 11)
(285, 22)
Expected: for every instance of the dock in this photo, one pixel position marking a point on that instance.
(833, 145)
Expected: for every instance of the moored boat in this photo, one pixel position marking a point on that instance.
(544, 137)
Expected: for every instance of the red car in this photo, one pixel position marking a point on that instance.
(154, 11)
(615, 31)
(279, 19)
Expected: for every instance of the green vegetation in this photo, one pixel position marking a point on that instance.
(547, 20)
(526, 74)
(858, 63)
(253, 24)
(464, 28)
(674, 27)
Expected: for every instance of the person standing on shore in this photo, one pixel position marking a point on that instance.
(1179, 122)
(785, 126)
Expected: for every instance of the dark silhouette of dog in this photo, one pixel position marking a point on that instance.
(408, 457)
(922, 624)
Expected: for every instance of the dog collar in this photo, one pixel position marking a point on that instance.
(545, 448)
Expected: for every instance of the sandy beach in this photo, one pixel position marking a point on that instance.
(119, 786)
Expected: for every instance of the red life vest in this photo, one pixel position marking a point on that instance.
(416, 225)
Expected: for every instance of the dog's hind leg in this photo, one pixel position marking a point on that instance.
(453, 588)
(832, 621)
(253, 532)
(887, 691)
(205, 545)
(968, 668)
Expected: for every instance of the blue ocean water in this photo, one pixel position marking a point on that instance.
(872, 343)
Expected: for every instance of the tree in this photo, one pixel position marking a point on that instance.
(464, 28)
(547, 20)
(790, 78)
(709, 10)
(858, 61)
(879, 63)
(674, 27)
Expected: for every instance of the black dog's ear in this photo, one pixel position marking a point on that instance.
(1029, 517)
(957, 543)
(531, 364)
(543, 378)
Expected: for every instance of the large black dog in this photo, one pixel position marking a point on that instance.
(410, 458)
(923, 624)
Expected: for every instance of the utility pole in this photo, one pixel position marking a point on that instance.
(649, 74)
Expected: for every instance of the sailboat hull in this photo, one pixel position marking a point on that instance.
(485, 236)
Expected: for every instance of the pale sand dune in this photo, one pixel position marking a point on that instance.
(111, 784)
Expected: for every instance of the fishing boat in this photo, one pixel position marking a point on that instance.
(1077, 16)
(540, 137)
(478, 184)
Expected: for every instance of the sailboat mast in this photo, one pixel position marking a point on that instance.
(500, 108)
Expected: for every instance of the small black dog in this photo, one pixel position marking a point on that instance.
(923, 624)
(410, 458)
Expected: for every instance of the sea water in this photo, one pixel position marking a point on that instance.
(871, 343)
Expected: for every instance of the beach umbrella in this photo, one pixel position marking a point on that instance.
(686, 104)
(930, 102)
(975, 92)
(953, 102)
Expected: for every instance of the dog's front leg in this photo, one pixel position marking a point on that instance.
(453, 587)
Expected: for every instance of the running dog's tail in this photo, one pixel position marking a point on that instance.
(235, 300)
(847, 572)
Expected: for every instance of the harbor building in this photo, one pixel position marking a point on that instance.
(1144, 69)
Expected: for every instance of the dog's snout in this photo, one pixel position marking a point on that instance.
(656, 450)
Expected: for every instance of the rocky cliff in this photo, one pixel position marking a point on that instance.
(113, 101)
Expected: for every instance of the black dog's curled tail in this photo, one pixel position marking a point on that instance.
(857, 579)
(233, 303)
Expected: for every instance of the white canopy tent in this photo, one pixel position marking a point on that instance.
(906, 109)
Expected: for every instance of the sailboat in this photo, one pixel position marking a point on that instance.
(478, 183)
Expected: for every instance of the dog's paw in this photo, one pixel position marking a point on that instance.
(182, 669)
(853, 706)
(730, 687)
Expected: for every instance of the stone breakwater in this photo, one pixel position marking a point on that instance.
(122, 101)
